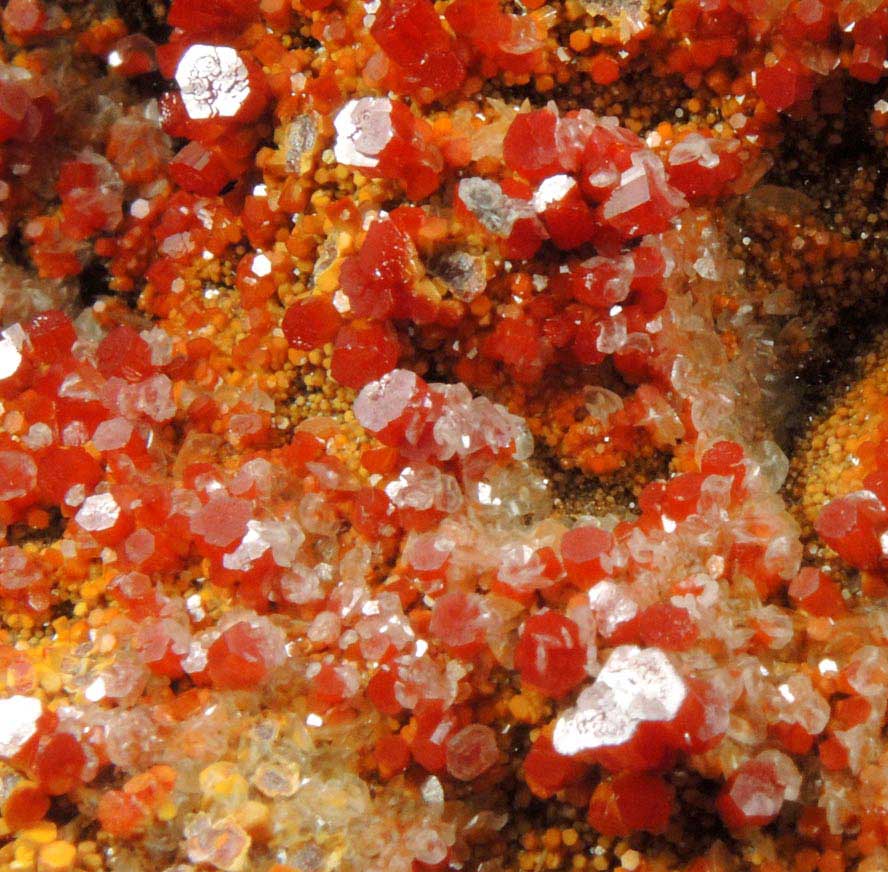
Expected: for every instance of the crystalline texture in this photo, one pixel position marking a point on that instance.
(213, 80)
(634, 686)
(18, 723)
(363, 130)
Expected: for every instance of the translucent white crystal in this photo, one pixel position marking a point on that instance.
(634, 685)
(213, 80)
(98, 512)
(18, 723)
(552, 190)
(363, 130)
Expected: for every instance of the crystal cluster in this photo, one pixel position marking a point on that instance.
(317, 343)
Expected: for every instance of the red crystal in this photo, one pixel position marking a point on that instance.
(235, 660)
(546, 771)
(362, 354)
(52, 336)
(199, 16)
(377, 278)
(752, 796)
(851, 526)
(411, 34)
(59, 763)
(199, 169)
(311, 323)
(549, 654)
(124, 354)
(581, 551)
(784, 84)
(817, 593)
(458, 620)
(530, 147)
(631, 802)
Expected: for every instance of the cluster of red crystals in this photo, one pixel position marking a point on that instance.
(854, 525)
(412, 36)
(55, 760)
(501, 41)
(595, 182)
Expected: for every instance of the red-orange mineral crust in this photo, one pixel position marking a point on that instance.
(388, 475)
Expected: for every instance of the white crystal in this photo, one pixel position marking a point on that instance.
(363, 130)
(213, 80)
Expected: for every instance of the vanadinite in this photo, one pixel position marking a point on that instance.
(406, 446)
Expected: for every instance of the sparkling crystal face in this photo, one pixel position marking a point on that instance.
(10, 357)
(98, 512)
(18, 722)
(552, 190)
(363, 130)
(635, 685)
(213, 81)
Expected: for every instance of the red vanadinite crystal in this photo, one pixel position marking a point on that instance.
(199, 169)
(784, 84)
(123, 353)
(458, 620)
(752, 796)
(60, 469)
(311, 323)
(121, 814)
(666, 626)
(566, 216)
(377, 278)
(530, 147)
(381, 691)
(235, 660)
(814, 591)
(23, 19)
(547, 771)
(392, 755)
(411, 34)
(25, 806)
(92, 195)
(631, 802)
(434, 726)
(52, 336)
(59, 763)
(581, 551)
(549, 654)
(197, 16)
(851, 525)
(363, 353)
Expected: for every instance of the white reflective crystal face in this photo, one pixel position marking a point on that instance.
(552, 190)
(383, 401)
(18, 722)
(694, 149)
(644, 682)
(98, 512)
(634, 191)
(635, 685)
(363, 130)
(10, 357)
(213, 80)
